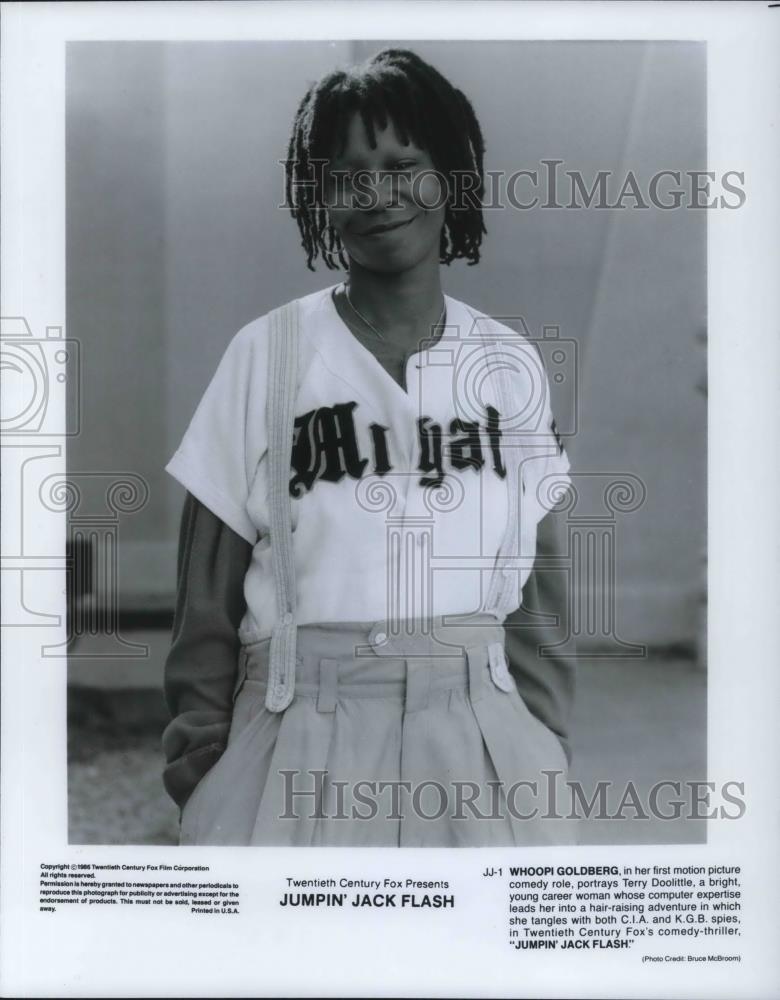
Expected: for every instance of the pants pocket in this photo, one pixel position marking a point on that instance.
(188, 829)
(530, 763)
(557, 755)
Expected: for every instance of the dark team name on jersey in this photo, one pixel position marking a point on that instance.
(325, 447)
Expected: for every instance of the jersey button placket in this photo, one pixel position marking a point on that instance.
(417, 514)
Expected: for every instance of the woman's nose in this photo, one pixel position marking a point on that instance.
(383, 187)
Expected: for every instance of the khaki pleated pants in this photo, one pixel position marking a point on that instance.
(417, 740)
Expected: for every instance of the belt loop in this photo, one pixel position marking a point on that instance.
(418, 683)
(477, 659)
(327, 695)
(499, 668)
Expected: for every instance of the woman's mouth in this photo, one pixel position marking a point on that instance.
(388, 227)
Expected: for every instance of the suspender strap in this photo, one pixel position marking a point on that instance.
(282, 384)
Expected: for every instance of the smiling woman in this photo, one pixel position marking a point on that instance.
(373, 166)
(385, 204)
(377, 698)
(389, 211)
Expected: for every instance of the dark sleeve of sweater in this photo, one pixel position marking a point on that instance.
(201, 666)
(545, 682)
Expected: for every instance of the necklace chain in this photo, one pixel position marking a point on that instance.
(368, 322)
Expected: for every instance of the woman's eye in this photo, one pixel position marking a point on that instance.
(405, 165)
(339, 178)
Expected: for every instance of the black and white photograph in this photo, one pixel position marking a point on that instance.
(492, 537)
(389, 556)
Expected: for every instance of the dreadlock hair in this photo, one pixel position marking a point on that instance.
(394, 85)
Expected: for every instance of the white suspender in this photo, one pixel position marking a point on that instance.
(282, 386)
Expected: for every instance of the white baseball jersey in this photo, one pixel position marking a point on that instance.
(400, 499)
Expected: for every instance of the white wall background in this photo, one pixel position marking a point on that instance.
(175, 241)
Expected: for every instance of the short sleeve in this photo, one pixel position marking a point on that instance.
(214, 458)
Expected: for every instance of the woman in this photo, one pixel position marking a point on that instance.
(386, 714)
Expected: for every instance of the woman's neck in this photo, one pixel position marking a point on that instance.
(402, 306)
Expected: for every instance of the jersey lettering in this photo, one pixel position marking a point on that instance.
(430, 452)
(554, 429)
(466, 451)
(379, 439)
(325, 447)
(494, 436)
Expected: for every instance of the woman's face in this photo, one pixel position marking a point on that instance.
(387, 204)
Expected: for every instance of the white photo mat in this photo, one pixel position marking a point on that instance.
(464, 951)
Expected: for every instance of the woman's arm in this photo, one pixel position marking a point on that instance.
(200, 670)
(546, 684)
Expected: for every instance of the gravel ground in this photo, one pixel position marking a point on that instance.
(115, 790)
